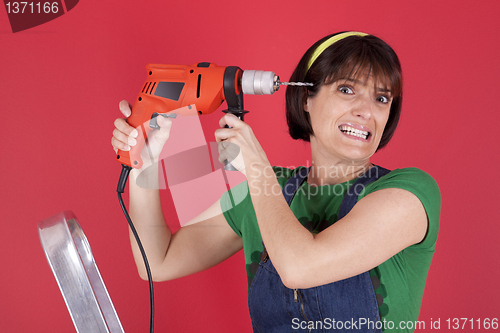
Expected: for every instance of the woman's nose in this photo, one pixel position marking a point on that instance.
(363, 107)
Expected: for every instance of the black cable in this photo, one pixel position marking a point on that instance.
(120, 189)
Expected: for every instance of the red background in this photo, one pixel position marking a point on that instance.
(60, 87)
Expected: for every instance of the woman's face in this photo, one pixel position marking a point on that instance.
(348, 118)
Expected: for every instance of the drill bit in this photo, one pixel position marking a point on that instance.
(302, 84)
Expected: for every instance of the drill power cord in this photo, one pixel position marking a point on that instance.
(120, 189)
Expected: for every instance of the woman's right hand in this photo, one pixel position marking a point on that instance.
(124, 135)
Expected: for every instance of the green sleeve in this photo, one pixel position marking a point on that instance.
(234, 203)
(425, 188)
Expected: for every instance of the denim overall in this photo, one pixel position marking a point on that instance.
(348, 305)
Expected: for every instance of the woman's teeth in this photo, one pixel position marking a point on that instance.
(354, 132)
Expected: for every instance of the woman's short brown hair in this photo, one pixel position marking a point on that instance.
(346, 58)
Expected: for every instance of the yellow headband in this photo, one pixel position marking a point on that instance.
(329, 42)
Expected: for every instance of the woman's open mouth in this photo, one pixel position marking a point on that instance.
(357, 133)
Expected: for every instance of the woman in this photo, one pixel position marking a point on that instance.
(347, 244)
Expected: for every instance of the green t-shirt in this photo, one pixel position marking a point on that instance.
(402, 277)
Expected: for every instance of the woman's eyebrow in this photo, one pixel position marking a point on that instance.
(385, 90)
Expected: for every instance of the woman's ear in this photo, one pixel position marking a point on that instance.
(306, 102)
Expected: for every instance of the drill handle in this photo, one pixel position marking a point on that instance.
(240, 114)
(139, 119)
(234, 99)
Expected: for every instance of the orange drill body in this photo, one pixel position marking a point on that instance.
(183, 90)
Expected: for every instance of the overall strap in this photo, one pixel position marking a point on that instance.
(293, 184)
(351, 197)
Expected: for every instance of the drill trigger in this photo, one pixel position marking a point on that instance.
(153, 123)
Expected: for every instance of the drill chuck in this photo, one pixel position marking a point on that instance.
(259, 82)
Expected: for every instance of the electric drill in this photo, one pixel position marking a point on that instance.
(172, 90)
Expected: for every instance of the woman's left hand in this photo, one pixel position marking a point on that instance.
(239, 146)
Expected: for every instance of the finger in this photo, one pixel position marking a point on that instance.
(228, 151)
(114, 148)
(122, 137)
(221, 147)
(122, 125)
(236, 160)
(223, 134)
(165, 125)
(224, 156)
(119, 144)
(125, 108)
(230, 120)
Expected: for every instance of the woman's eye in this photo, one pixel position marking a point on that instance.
(345, 90)
(383, 99)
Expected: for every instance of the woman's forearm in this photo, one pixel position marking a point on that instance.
(147, 215)
(286, 240)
